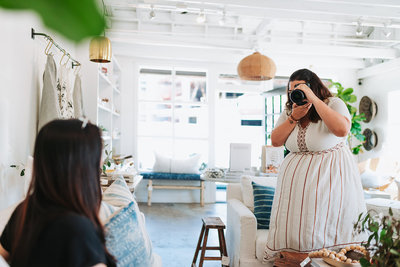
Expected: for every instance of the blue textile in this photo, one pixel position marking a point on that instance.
(170, 176)
(263, 198)
(125, 239)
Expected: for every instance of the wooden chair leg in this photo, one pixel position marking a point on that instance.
(202, 193)
(149, 192)
(220, 242)
(198, 246)
(203, 249)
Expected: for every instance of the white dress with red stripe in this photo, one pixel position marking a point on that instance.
(319, 193)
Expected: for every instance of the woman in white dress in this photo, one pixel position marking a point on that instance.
(319, 194)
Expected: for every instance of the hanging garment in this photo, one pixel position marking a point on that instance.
(77, 98)
(49, 108)
(64, 94)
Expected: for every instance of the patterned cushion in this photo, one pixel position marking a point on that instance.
(126, 234)
(118, 193)
(126, 240)
(263, 198)
(170, 176)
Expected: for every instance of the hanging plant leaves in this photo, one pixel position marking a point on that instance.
(73, 19)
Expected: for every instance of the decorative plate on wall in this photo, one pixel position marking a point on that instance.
(368, 107)
(371, 139)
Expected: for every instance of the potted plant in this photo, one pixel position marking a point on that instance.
(383, 243)
(355, 131)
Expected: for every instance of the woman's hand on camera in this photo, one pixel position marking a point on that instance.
(298, 112)
(307, 91)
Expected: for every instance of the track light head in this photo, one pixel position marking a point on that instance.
(201, 18)
(152, 13)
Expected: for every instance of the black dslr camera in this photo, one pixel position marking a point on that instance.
(297, 96)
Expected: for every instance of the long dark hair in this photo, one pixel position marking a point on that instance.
(65, 178)
(316, 85)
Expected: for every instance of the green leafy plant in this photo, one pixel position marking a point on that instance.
(19, 167)
(346, 94)
(383, 243)
(107, 161)
(73, 19)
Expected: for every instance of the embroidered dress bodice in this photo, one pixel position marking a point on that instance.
(303, 138)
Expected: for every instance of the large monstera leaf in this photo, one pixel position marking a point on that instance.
(74, 19)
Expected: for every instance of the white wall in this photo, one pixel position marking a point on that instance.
(21, 73)
(377, 88)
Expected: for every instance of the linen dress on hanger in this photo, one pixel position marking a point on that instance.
(77, 98)
(49, 108)
(319, 193)
(64, 94)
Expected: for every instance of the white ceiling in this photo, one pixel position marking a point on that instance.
(324, 28)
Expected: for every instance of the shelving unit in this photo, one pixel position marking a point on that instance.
(109, 104)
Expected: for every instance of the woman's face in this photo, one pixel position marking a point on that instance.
(293, 84)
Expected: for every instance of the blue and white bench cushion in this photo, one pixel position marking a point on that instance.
(170, 176)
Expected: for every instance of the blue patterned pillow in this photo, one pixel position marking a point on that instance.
(263, 198)
(126, 240)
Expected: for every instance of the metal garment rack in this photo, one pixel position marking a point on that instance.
(74, 62)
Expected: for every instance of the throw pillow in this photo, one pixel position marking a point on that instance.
(126, 240)
(125, 226)
(177, 165)
(247, 188)
(263, 198)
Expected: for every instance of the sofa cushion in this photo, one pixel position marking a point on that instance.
(177, 165)
(261, 242)
(126, 240)
(247, 188)
(381, 205)
(263, 198)
(126, 235)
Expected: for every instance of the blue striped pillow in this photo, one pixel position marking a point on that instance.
(263, 198)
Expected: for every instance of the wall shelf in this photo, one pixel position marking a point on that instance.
(106, 115)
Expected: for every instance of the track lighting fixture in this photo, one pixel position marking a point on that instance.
(359, 29)
(152, 14)
(201, 18)
(222, 21)
(386, 31)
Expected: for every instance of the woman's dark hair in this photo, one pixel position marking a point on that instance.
(316, 85)
(65, 178)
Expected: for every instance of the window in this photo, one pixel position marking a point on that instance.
(239, 118)
(274, 106)
(173, 115)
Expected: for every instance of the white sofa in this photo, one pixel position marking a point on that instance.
(245, 243)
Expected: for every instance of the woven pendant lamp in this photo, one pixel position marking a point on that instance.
(100, 49)
(256, 67)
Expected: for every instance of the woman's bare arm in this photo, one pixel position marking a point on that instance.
(4, 253)
(281, 133)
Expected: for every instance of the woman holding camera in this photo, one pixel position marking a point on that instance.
(319, 194)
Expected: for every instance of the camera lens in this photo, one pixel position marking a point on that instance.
(297, 96)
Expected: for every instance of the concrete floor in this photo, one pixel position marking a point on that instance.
(174, 230)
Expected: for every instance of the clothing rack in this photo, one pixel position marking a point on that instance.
(74, 62)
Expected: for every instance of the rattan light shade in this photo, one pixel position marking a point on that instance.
(100, 49)
(256, 67)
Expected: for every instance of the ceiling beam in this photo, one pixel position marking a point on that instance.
(279, 11)
(382, 68)
(247, 46)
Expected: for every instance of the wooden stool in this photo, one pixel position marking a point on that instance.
(211, 223)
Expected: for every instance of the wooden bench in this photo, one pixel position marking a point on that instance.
(150, 176)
